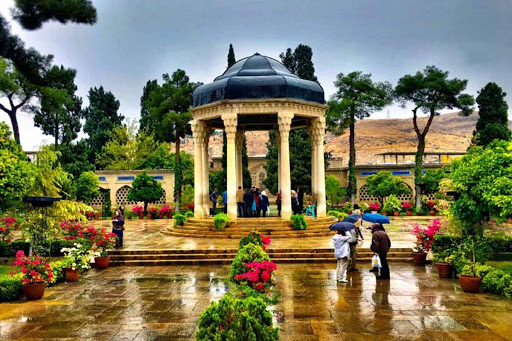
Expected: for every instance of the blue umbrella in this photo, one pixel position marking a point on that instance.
(342, 226)
(376, 218)
(353, 218)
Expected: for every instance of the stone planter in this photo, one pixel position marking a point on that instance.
(444, 270)
(34, 291)
(419, 258)
(71, 275)
(470, 284)
(102, 262)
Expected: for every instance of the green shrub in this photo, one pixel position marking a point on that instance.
(252, 237)
(248, 253)
(189, 214)
(237, 319)
(392, 204)
(299, 222)
(220, 221)
(10, 289)
(179, 219)
(58, 271)
(496, 281)
(10, 249)
(337, 214)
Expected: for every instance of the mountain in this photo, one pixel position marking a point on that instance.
(448, 133)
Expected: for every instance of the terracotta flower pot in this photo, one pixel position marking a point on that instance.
(509, 221)
(409, 213)
(444, 270)
(102, 262)
(140, 216)
(34, 291)
(149, 216)
(384, 213)
(470, 284)
(396, 213)
(71, 275)
(419, 258)
(432, 212)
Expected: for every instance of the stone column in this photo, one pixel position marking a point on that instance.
(198, 134)
(285, 121)
(278, 142)
(318, 132)
(239, 167)
(205, 190)
(230, 127)
(313, 162)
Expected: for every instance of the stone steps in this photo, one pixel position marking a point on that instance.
(226, 256)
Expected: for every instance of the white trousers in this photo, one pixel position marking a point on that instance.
(341, 270)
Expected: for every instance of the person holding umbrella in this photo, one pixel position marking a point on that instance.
(381, 245)
(354, 219)
(342, 255)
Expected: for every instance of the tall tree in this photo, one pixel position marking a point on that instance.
(231, 56)
(74, 158)
(492, 122)
(168, 105)
(300, 62)
(145, 115)
(288, 60)
(60, 111)
(101, 116)
(19, 92)
(430, 91)
(356, 98)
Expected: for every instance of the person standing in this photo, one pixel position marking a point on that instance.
(263, 203)
(342, 255)
(240, 201)
(295, 202)
(225, 201)
(278, 203)
(256, 200)
(248, 199)
(213, 198)
(118, 228)
(300, 200)
(380, 246)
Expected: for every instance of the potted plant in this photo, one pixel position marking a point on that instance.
(36, 273)
(374, 208)
(408, 208)
(166, 211)
(432, 207)
(138, 211)
(444, 264)
(424, 240)
(103, 241)
(76, 260)
(392, 205)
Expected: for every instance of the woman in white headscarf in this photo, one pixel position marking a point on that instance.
(295, 202)
(263, 203)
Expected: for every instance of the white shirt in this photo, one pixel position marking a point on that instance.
(341, 247)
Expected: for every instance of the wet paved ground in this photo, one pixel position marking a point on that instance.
(144, 234)
(137, 303)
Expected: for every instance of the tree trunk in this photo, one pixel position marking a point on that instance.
(15, 127)
(145, 207)
(418, 168)
(352, 183)
(56, 135)
(177, 176)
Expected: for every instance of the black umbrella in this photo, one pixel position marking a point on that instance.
(342, 226)
(353, 218)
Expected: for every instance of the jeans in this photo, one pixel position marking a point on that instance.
(341, 269)
(384, 270)
(241, 208)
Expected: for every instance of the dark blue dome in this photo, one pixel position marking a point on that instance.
(258, 77)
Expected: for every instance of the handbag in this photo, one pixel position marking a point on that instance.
(376, 261)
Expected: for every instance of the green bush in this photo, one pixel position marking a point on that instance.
(179, 219)
(247, 254)
(252, 237)
(496, 281)
(392, 204)
(10, 289)
(237, 319)
(299, 222)
(189, 214)
(487, 246)
(220, 221)
(337, 214)
(58, 271)
(9, 249)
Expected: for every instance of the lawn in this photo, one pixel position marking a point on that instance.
(504, 266)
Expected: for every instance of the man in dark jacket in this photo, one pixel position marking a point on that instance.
(248, 199)
(381, 245)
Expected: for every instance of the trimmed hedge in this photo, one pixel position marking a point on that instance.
(299, 222)
(189, 214)
(9, 250)
(220, 221)
(498, 244)
(179, 219)
(247, 254)
(11, 289)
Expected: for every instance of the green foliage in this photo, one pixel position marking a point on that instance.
(51, 180)
(497, 282)
(339, 215)
(252, 237)
(383, 184)
(32, 14)
(179, 219)
(188, 195)
(101, 116)
(493, 116)
(392, 204)
(146, 189)
(237, 319)
(18, 174)
(52, 248)
(333, 189)
(357, 96)
(231, 56)
(483, 178)
(300, 62)
(87, 187)
(217, 180)
(220, 221)
(11, 289)
(299, 222)
(58, 271)
(189, 214)
(74, 158)
(247, 254)
(432, 178)
(107, 206)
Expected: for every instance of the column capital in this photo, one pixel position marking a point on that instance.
(230, 124)
(198, 131)
(285, 122)
(316, 129)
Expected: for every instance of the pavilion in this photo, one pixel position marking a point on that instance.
(257, 93)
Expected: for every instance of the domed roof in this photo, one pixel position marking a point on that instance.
(257, 77)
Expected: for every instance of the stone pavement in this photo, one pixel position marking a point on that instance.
(153, 303)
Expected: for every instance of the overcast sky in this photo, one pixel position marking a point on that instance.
(137, 40)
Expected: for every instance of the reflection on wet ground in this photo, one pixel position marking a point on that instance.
(148, 303)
